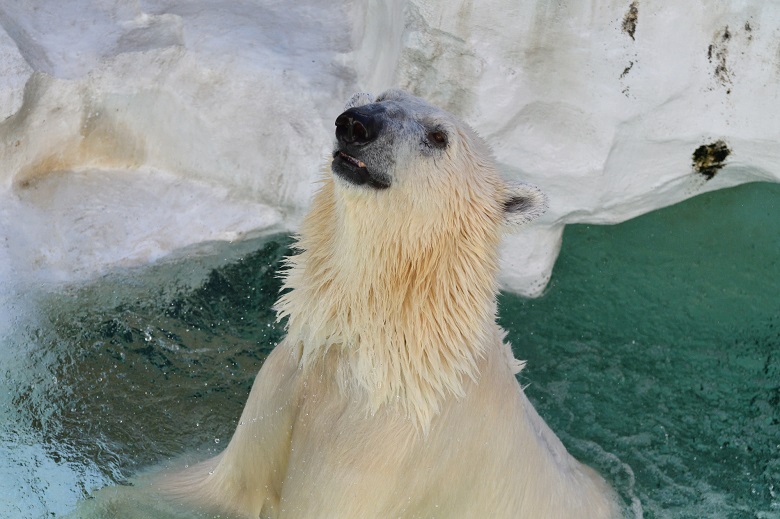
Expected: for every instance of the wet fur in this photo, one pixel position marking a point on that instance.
(394, 394)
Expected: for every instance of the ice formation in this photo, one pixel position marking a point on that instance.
(132, 129)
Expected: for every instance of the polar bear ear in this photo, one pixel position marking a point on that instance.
(524, 203)
(359, 99)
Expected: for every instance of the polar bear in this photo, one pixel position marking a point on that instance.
(394, 393)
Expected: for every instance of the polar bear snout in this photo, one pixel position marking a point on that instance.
(359, 126)
(354, 160)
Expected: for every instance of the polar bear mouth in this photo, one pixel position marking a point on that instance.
(352, 160)
(355, 171)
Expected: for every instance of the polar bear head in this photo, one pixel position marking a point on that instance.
(400, 142)
(397, 259)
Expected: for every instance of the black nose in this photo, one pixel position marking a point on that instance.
(359, 125)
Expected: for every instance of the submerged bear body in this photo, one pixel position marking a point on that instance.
(394, 394)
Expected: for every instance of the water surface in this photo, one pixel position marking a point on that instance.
(654, 354)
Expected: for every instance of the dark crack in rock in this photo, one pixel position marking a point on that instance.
(630, 19)
(627, 69)
(717, 54)
(708, 159)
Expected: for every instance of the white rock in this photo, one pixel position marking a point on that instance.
(14, 72)
(603, 103)
(600, 103)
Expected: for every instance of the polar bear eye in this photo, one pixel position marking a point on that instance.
(437, 138)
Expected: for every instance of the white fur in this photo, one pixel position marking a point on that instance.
(394, 394)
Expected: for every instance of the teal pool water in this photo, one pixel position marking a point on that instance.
(654, 354)
(658, 344)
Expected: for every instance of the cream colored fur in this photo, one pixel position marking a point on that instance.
(394, 394)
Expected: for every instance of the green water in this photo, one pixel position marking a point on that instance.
(131, 371)
(654, 354)
(658, 342)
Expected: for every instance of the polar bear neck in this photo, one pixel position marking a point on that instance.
(406, 295)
